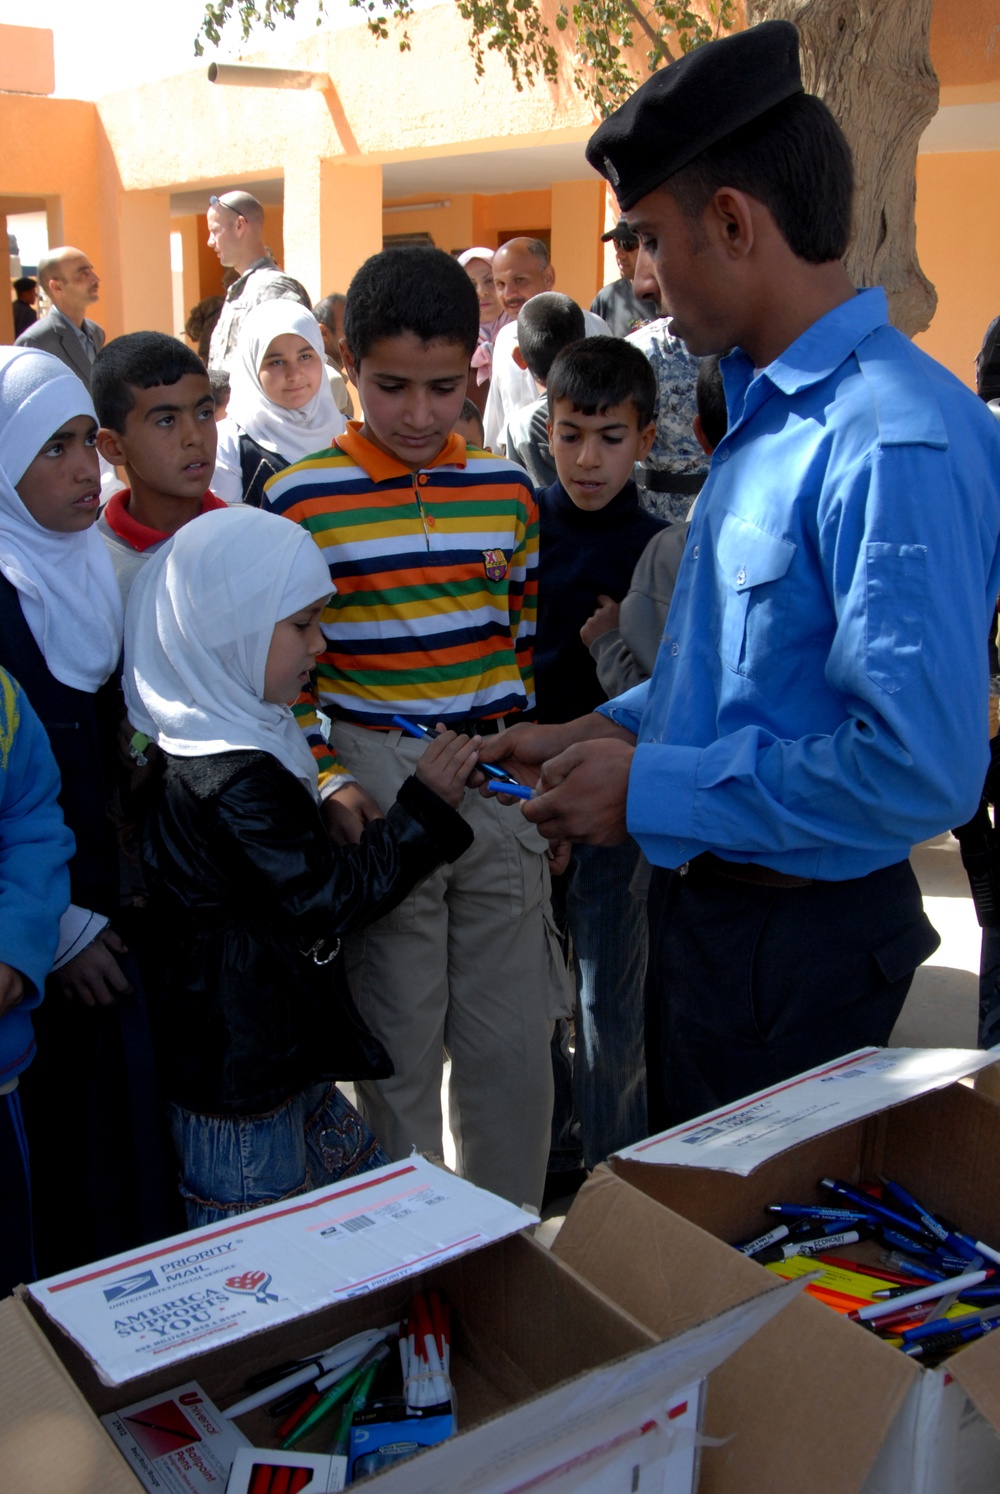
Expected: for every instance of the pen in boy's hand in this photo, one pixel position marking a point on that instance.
(490, 770)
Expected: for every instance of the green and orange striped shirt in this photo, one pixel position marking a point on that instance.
(435, 574)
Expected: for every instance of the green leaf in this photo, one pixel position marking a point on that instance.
(606, 30)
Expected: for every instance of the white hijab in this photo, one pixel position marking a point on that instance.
(292, 434)
(65, 582)
(200, 619)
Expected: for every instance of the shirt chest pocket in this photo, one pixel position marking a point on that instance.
(752, 616)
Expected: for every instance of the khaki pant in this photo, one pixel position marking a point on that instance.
(469, 962)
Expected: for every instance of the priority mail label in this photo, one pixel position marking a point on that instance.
(136, 1311)
(739, 1137)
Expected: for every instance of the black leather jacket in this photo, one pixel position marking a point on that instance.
(248, 895)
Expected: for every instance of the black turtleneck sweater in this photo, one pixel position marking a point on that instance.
(581, 556)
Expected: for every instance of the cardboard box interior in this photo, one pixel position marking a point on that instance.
(522, 1324)
(810, 1400)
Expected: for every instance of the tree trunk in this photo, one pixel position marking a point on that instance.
(869, 60)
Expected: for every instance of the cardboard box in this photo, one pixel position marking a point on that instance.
(814, 1403)
(555, 1385)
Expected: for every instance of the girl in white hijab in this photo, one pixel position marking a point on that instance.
(249, 895)
(280, 408)
(49, 500)
(61, 637)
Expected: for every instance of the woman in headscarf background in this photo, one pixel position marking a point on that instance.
(478, 265)
(93, 1127)
(250, 896)
(280, 408)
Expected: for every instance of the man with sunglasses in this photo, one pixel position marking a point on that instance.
(236, 233)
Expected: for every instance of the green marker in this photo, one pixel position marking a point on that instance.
(342, 1437)
(332, 1398)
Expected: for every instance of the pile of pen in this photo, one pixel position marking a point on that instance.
(322, 1395)
(425, 1352)
(934, 1288)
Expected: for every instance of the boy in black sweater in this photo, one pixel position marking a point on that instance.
(601, 397)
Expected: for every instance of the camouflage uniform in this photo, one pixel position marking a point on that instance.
(676, 447)
(262, 282)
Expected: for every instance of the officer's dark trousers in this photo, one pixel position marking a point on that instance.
(750, 984)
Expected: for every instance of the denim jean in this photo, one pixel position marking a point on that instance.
(230, 1164)
(607, 925)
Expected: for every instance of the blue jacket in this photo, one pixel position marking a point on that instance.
(35, 847)
(819, 698)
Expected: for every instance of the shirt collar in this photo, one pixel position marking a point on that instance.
(821, 348)
(64, 320)
(380, 466)
(264, 263)
(142, 536)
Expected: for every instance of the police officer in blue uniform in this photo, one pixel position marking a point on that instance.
(818, 702)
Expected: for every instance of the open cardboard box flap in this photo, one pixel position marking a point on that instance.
(50, 1441)
(741, 1136)
(987, 1082)
(813, 1397)
(622, 1402)
(807, 1356)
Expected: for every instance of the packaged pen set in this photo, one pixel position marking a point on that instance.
(876, 1255)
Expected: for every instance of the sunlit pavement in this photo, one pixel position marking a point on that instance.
(941, 1010)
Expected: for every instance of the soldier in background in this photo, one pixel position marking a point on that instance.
(672, 475)
(618, 303)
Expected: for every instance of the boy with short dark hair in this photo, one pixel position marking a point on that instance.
(156, 407)
(432, 548)
(545, 325)
(601, 397)
(624, 638)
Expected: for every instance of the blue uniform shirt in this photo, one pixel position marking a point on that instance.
(819, 698)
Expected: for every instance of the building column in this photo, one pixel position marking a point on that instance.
(612, 213)
(332, 221)
(145, 280)
(577, 251)
(190, 277)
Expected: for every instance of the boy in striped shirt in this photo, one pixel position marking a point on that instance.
(433, 548)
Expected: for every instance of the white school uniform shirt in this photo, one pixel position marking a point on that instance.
(513, 387)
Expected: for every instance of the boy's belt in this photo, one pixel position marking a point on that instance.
(672, 482)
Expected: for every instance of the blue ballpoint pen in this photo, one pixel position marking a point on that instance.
(958, 1244)
(873, 1206)
(508, 786)
(413, 729)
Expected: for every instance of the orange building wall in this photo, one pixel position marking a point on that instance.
(577, 251)
(958, 243)
(27, 60)
(965, 42)
(450, 227)
(37, 163)
(473, 218)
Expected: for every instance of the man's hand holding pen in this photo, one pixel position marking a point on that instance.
(579, 772)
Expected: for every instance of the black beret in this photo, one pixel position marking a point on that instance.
(684, 108)
(621, 233)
